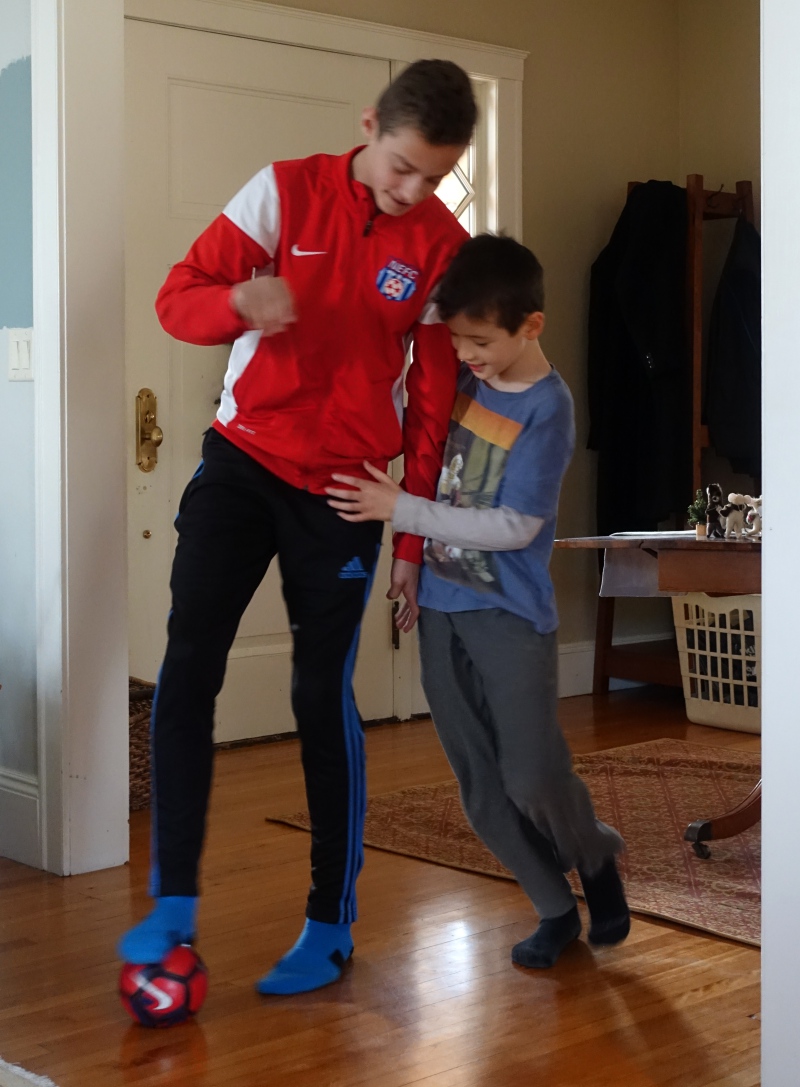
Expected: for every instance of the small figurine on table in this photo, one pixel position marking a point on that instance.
(732, 515)
(753, 516)
(716, 500)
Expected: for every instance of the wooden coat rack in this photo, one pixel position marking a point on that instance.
(657, 662)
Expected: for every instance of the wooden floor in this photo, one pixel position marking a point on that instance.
(431, 997)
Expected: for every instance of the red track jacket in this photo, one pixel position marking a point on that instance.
(326, 394)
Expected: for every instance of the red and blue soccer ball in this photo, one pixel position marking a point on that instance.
(163, 993)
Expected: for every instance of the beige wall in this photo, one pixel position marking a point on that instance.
(720, 130)
(720, 123)
(600, 92)
(719, 135)
(607, 99)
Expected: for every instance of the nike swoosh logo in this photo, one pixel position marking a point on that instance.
(163, 1000)
(308, 252)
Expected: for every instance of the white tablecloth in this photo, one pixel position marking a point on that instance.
(630, 571)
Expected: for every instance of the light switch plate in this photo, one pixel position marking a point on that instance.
(20, 361)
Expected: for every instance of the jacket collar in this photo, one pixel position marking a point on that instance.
(359, 198)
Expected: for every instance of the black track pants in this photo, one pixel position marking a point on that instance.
(234, 518)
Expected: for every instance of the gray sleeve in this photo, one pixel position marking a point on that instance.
(498, 529)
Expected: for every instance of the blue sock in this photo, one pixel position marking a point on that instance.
(315, 960)
(172, 922)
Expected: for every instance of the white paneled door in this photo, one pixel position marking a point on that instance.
(204, 112)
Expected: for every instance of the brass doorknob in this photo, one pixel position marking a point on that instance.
(149, 435)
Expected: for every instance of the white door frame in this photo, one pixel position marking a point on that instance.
(780, 121)
(78, 309)
(81, 414)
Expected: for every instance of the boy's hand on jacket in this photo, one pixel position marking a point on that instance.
(365, 500)
(266, 303)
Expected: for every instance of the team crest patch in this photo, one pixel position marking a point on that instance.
(397, 281)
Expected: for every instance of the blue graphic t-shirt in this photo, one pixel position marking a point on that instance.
(503, 449)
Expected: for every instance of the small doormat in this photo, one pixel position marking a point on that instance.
(650, 792)
(140, 706)
(11, 1075)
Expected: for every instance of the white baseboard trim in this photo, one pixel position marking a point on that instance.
(576, 665)
(19, 818)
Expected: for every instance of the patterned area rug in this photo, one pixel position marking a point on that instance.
(650, 792)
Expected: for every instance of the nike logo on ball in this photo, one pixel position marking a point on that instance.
(162, 999)
(296, 252)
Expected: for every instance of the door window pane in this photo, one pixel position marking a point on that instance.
(457, 191)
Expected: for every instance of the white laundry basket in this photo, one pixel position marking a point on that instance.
(719, 642)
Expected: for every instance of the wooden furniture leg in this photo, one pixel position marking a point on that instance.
(643, 662)
(740, 818)
(602, 646)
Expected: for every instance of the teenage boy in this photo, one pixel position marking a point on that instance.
(321, 271)
(488, 616)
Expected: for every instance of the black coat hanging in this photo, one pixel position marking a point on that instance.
(733, 376)
(639, 386)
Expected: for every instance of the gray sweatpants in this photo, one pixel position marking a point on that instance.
(491, 683)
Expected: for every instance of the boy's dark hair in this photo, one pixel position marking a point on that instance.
(434, 97)
(492, 277)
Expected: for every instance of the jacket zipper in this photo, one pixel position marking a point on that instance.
(372, 215)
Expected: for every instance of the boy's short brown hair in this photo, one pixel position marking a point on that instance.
(433, 96)
(492, 278)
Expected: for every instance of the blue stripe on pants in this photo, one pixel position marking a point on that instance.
(356, 768)
(154, 888)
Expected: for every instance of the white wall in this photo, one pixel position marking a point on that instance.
(781, 584)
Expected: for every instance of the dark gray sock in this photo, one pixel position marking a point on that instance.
(605, 897)
(542, 949)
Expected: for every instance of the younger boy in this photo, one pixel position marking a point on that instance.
(488, 616)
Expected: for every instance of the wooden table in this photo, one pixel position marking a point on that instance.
(685, 565)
